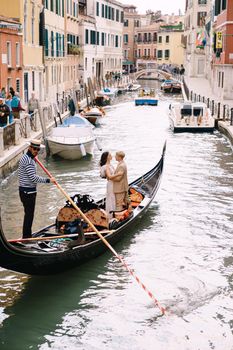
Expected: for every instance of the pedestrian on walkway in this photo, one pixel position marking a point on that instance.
(28, 180)
(16, 105)
(4, 112)
(8, 103)
(33, 104)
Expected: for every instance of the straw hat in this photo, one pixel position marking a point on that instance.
(36, 143)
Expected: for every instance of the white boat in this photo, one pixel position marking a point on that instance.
(133, 87)
(74, 139)
(109, 91)
(146, 97)
(191, 117)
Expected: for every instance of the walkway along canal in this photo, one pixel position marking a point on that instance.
(182, 249)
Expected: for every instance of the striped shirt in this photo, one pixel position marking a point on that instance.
(27, 174)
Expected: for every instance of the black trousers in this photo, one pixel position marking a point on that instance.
(29, 202)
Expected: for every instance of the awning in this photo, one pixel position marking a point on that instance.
(127, 63)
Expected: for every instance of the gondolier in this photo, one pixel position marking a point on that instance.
(28, 180)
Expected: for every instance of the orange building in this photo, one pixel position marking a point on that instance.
(10, 54)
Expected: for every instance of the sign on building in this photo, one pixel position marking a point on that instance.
(219, 40)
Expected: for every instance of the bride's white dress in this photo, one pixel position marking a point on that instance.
(110, 196)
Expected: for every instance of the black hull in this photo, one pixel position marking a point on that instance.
(29, 261)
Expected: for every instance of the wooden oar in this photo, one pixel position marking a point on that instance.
(162, 309)
(50, 238)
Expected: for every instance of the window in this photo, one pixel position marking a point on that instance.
(46, 42)
(224, 4)
(116, 41)
(102, 39)
(148, 52)
(93, 37)
(135, 53)
(17, 54)
(160, 39)
(86, 37)
(122, 17)
(33, 23)
(160, 54)
(167, 54)
(25, 21)
(51, 5)
(201, 18)
(103, 10)
(202, 2)
(97, 9)
(106, 11)
(52, 43)
(33, 80)
(126, 38)
(139, 53)
(117, 15)
(167, 38)
(18, 85)
(85, 63)
(8, 84)
(155, 37)
(113, 14)
(98, 38)
(8, 52)
(126, 23)
(154, 53)
(145, 52)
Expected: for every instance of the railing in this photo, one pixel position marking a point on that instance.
(221, 111)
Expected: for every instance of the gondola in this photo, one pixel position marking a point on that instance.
(40, 258)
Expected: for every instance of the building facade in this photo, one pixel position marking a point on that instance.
(170, 49)
(196, 12)
(11, 56)
(222, 59)
(27, 13)
(54, 49)
(101, 31)
(132, 21)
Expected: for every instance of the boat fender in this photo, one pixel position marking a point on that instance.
(83, 151)
(98, 144)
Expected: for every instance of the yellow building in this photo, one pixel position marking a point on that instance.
(169, 45)
(28, 13)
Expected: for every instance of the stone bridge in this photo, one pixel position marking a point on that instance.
(141, 72)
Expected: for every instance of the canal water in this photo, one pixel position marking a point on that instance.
(181, 250)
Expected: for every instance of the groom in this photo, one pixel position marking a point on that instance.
(120, 182)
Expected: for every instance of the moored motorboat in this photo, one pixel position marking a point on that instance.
(146, 97)
(191, 117)
(171, 86)
(93, 114)
(133, 87)
(43, 255)
(74, 139)
(109, 91)
(102, 100)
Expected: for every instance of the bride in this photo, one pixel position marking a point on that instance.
(106, 170)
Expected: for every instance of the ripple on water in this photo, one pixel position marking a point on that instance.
(181, 250)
